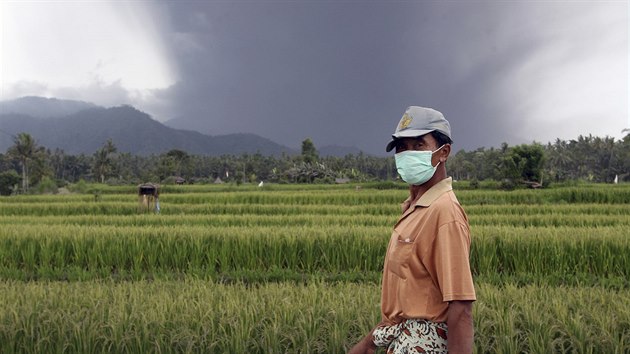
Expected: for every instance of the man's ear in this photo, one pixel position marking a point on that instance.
(445, 152)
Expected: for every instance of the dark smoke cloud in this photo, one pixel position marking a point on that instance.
(343, 72)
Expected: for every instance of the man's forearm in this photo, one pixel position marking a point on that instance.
(365, 346)
(460, 327)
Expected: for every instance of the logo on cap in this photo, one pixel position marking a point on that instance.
(405, 121)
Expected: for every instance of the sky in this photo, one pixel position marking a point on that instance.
(338, 72)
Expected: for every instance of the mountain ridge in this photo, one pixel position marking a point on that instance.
(42, 107)
(88, 126)
(131, 131)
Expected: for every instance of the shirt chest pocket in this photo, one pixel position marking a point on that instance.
(400, 255)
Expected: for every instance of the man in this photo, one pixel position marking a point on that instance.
(427, 287)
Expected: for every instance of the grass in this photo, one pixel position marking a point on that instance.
(297, 269)
(202, 316)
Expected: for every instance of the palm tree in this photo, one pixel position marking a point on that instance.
(25, 149)
(103, 163)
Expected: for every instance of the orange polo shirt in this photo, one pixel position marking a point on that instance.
(427, 262)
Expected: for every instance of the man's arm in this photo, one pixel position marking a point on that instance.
(365, 346)
(460, 327)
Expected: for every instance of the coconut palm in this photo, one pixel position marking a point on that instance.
(103, 162)
(25, 150)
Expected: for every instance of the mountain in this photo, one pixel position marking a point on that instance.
(82, 127)
(131, 131)
(41, 107)
(187, 124)
(196, 125)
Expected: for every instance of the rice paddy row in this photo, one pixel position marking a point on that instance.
(289, 269)
(41, 251)
(196, 316)
(344, 195)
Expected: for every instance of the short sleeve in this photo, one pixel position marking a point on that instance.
(451, 262)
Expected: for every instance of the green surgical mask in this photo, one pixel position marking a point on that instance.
(415, 167)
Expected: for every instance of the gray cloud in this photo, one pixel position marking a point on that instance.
(343, 72)
(337, 72)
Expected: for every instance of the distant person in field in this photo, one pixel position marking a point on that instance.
(427, 288)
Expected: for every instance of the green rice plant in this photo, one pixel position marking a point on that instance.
(200, 316)
(196, 249)
(538, 319)
(563, 255)
(305, 218)
(547, 209)
(552, 221)
(561, 251)
(599, 194)
(292, 269)
(348, 195)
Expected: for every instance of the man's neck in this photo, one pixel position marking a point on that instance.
(415, 192)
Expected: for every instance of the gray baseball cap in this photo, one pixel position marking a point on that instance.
(418, 121)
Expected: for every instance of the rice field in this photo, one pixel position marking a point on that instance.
(296, 269)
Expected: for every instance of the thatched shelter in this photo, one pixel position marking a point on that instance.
(149, 197)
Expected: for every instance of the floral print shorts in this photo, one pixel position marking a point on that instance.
(412, 336)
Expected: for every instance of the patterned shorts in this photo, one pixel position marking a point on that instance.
(412, 336)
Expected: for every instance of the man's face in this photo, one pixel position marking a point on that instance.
(425, 142)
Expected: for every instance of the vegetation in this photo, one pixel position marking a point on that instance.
(26, 151)
(296, 268)
(9, 181)
(586, 159)
(103, 163)
(196, 316)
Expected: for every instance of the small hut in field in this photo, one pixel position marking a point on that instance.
(149, 198)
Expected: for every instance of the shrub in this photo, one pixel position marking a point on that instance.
(47, 185)
(9, 181)
(79, 187)
(507, 184)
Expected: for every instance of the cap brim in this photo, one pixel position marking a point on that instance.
(390, 145)
(410, 133)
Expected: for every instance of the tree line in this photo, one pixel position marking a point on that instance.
(587, 158)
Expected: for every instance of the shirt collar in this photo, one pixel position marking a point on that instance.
(434, 192)
(428, 197)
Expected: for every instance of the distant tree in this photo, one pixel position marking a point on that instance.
(309, 152)
(180, 160)
(25, 150)
(133, 168)
(624, 157)
(460, 166)
(7, 162)
(8, 181)
(604, 167)
(110, 147)
(524, 162)
(174, 162)
(559, 160)
(41, 167)
(77, 167)
(56, 160)
(103, 160)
